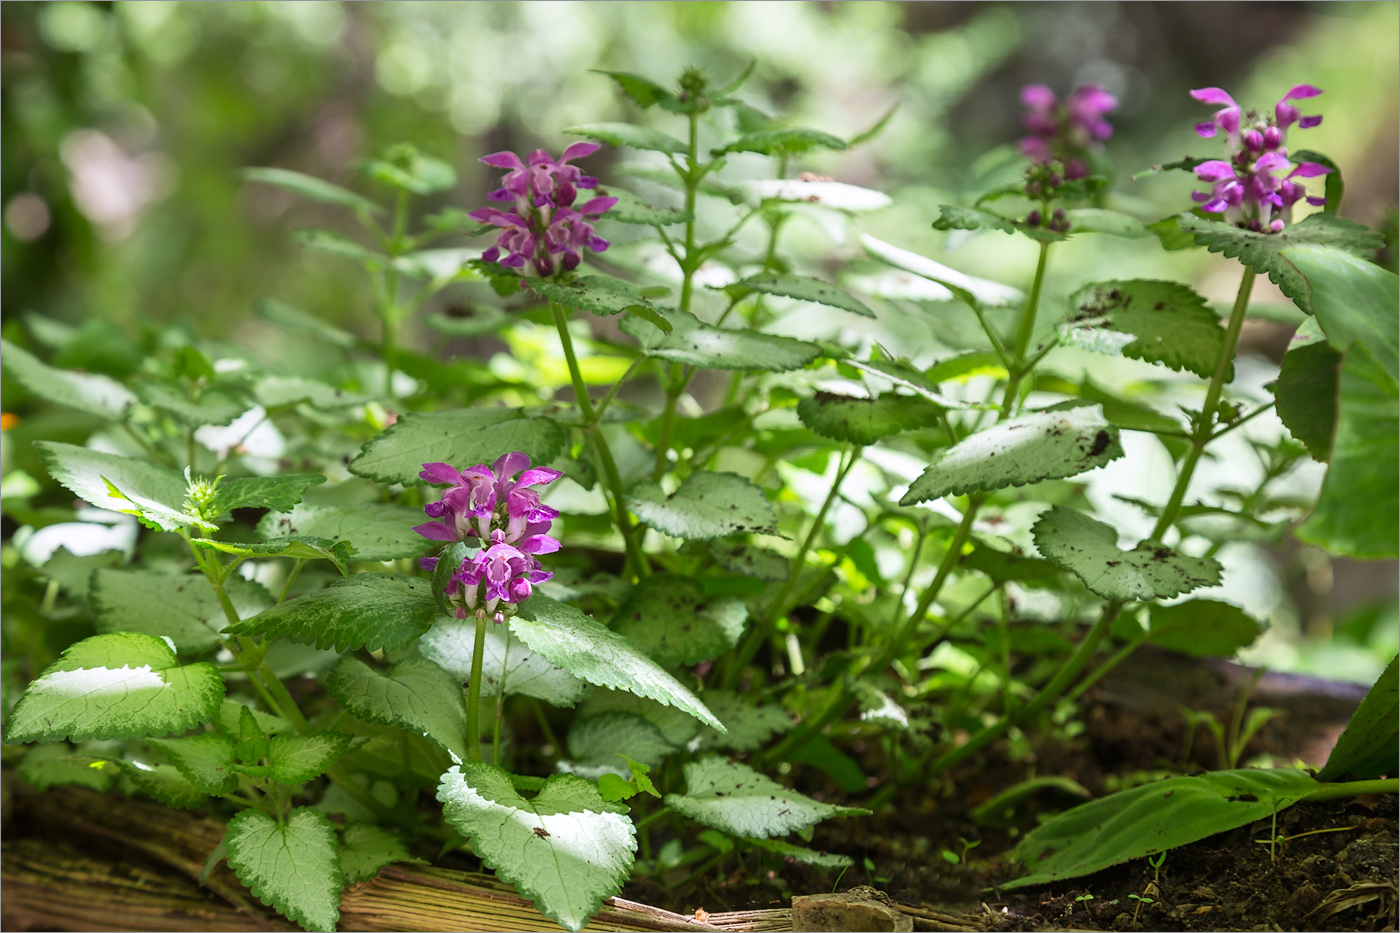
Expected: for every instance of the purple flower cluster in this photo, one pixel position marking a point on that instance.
(1068, 132)
(492, 505)
(1256, 187)
(543, 223)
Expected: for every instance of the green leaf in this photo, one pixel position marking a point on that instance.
(750, 725)
(278, 493)
(972, 218)
(1355, 301)
(369, 610)
(462, 438)
(706, 505)
(296, 759)
(782, 142)
(1098, 220)
(787, 850)
(750, 560)
(214, 407)
(314, 188)
(153, 492)
(866, 420)
(473, 321)
(901, 373)
(230, 717)
(1365, 464)
(1263, 252)
(1305, 395)
(1144, 319)
(507, 666)
(601, 295)
(338, 552)
(159, 782)
(643, 91)
(1028, 449)
(376, 531)
(412, 171)
(122, 685)
(709, 347)
(46, 766)
(738, 800)
(206, 761)
(293, 866)
(580, 645)
(803, 288)
(566, 848)
(612, 721)
(1370, 745)
(1202, 628)
(631, 209)
(366, 849)
(252, 744)
(414, 694)
(181, 607)
(669, 618)
(333, 244)
(625, 134)
(968, 289)
(1186, 164)
(1089, 549)
(1154, 818)
(296, 320)
(90, 392)
(1003, 567)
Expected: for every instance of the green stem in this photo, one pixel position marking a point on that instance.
(389, 309)
(291, 578)
(1048, 694)
(1355, 789)
(763, 629)
(1024, 334)
(1102, 670)
(147, 446)
(599, 442)
(844, 698)
(1205, 425)
(474, 691)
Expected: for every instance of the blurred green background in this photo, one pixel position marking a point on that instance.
(125, 126)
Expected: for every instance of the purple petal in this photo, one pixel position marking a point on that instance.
(1215, 207)
(1037, 97)
(510, 464)
(1206, 129)
(538, 476)
(1301, 91)
(578, 151)
(1215, 170)
(1229, 119)
(1213, 95)
(428, 563)
(539, 544)
(501, 194)
(1269, 162)
(503, 160)
(1316, 201)
(1309, 170)
(1309, 122)
(440, 473)
(436, 531)
(597, 205)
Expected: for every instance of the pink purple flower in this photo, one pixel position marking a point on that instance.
(499, 504)
(1066, 132)
(544, 226)
(1258, 185)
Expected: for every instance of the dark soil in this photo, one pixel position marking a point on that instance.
(1336, 871)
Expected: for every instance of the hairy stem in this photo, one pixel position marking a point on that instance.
(474, 691)
(1205, 425)
(763, 628)
(599, 444)
(1024, 334)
